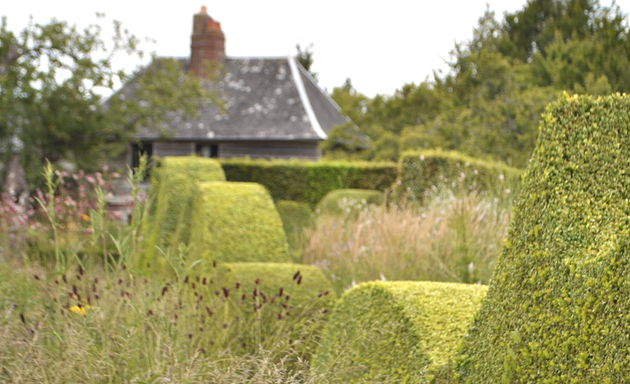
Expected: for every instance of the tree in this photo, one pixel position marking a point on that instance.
(305, 57)
(52, 81)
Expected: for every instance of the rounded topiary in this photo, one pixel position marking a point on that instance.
(295, 217)
(397, 331)
(349, 201)
(427, 172)
(173, 189)
(557, 308)
(270, 304)
(236, 222)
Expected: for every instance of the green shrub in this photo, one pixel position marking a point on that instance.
(421, 173)
(307, 181)
(349, 200)
(557, 308)
(397, 331)
(236, 222)
(295, 217)
(289, 305)
(173, 188)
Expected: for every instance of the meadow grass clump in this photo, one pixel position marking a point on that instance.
(450, 237)
(86, 325)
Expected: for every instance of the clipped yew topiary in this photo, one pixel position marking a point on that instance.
(397, 331)
(309, 181)
(295, 217)
(279, 307)
(349, 200)
(237, 222)
(558, 307)
(421, 173)
(173, 188)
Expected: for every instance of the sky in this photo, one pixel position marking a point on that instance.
(380, 45)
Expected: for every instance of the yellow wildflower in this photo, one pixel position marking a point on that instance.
(86, 217)
(80, 309)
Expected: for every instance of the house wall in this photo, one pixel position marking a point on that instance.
(162, 149)
(267, 150)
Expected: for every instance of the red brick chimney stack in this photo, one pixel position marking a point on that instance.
(207, 42)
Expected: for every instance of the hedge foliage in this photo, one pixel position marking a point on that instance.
(349, 200)
(397, 331)
(174, 187)
(295, 217)
(558, 307)
(283, 303)
(307, 181)
(421, 173)
(236, 222)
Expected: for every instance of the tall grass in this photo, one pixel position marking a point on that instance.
(86, 313)
(452, 237)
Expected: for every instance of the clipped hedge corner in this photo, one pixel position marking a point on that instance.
(349, 200)
(173, 188)
(558, 307)
(397, 331)
(422, 173)
(237, 222)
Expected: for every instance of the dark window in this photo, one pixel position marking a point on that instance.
(207, 150)
(137, 149)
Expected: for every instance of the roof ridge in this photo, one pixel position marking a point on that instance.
(297, 79)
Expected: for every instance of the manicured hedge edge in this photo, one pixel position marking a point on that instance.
(557, 309)
(349, 200)
(173, 190)
(237, 222)
(397, 331)
(307, 181)
(423, 173)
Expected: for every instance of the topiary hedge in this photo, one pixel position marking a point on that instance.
(268, 305)
(295, 217)
(558, 306)
(397, 331)
(234, 222)
(173, 188)
(349, 200)
(307, 181)
(421, 173)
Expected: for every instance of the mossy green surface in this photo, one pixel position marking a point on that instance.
(295, 217)
(422, 173)
(173, 190)
(558, 307)
(396, 331)
(349, 200)
(237, 222)
(309, 181)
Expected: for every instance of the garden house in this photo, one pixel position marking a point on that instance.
(273, 108)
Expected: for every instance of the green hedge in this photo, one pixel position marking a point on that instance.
(397, 331)
(558, 306)
(295, 217)
(235, 222)
(349, 200)
(173, 188)
(277, 316)
(307, 181)
(421, 173)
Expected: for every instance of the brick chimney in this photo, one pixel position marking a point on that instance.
(207, 42)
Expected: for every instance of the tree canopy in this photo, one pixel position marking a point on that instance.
(489, 104)
(53, 78)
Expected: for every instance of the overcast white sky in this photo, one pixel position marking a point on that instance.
(379, 45)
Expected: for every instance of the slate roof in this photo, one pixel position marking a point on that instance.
(266, 99)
